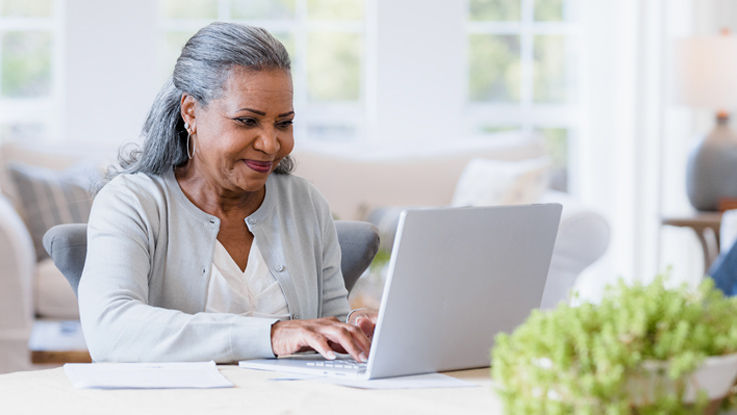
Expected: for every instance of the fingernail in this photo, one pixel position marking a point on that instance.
(331, 356)
(362, 356)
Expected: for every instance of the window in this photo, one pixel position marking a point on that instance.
(325, 39)
(29, 81)
(521, 57)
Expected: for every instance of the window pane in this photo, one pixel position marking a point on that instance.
(262, 9)
(554, 10)
(556, 144)
(550, 69)
(287, 39)
(173, 44)
(494, 10)
(333, 66)
(494, 67)
(26, 64)
(189, 9)
(26, 8)
(19, 131)
(335, 9)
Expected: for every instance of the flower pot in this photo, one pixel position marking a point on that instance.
(715, 376)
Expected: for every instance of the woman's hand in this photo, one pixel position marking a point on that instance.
(324, 335)
(365, 319)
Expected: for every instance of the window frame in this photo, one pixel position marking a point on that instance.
(44, 111)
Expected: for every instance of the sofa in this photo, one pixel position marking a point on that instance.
(357, 184)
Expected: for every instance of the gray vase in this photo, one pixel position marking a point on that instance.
(711, 172)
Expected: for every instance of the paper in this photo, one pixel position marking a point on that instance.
(146, 375)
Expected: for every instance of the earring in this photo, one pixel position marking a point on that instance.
(194, 146)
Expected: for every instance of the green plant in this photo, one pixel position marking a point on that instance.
(577, 360)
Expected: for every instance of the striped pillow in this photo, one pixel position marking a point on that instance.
(48, 198)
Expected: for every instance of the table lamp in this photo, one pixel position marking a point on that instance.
(706, 77)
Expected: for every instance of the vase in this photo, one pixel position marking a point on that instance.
(715, 377)
(711, 172)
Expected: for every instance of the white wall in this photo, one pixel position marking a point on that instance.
(420, 64)
(110, 67)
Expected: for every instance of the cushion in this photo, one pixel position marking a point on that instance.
(49, 197)
(53, 297)
(494, 182)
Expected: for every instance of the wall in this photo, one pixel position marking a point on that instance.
(109, 61)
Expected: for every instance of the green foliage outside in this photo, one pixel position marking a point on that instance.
(494, 68)
(549, 10)
(26, 64)
(26, 8)
(578, 360)
(549, 72)
(263, 9)
(335, 9)
(495, 10)
(333, 66)
(189, 9)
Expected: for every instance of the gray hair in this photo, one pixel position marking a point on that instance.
(200, 71)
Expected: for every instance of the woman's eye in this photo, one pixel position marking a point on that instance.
(248, 122)
(285, 124)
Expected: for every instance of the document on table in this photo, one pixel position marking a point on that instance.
(194, 375)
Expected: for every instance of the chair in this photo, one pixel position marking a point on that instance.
(359, 242)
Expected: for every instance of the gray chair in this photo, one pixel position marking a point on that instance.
(359, 242)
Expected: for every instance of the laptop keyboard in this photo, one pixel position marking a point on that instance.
(340, 364)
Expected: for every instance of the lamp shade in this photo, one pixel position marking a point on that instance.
(705, 70)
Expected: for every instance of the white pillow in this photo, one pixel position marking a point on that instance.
(493, 182)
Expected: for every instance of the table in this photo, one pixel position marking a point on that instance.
(49, 392)
(706, 227)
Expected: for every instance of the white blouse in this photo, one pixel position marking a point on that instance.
(253, 292)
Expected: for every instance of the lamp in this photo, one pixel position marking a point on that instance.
(706, 76)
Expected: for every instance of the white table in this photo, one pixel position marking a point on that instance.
(48, 392)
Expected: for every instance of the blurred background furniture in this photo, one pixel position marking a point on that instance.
(706, 226)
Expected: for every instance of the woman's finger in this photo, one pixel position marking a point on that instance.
(351, 339)
(366, 325)
(320, 344)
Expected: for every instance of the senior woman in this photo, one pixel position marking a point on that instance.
(203, 246)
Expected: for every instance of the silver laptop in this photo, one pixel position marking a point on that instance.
(457, 277)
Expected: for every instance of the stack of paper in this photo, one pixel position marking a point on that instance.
(146, 375)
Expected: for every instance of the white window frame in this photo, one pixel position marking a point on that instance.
(45, 111)
(527, 115)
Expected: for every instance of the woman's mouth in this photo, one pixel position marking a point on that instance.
(259, 166)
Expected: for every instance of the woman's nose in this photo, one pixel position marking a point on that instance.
(267, 142)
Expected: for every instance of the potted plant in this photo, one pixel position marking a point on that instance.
(645, 348)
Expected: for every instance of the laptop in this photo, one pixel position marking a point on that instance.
(456, 278)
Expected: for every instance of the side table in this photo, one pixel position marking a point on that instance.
(706, 227)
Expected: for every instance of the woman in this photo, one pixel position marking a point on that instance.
(204, 247)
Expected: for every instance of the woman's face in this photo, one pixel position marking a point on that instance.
(243, 135)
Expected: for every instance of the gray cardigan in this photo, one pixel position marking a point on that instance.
(143, 289)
